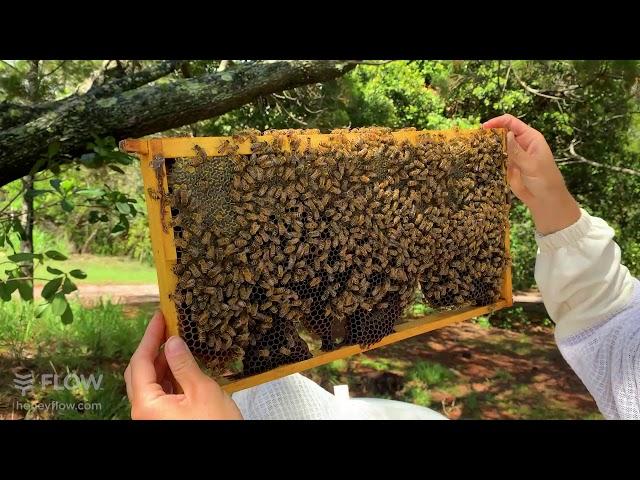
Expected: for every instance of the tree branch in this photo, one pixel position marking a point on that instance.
(13, 114)
(532, 90)
(60, 65)
(135, 112)
(10, 66)
(367, 62)
(135, 80)
(574, 157)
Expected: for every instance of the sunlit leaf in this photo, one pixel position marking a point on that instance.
(59, 304)
(21, 257)
(25, 288)
(66, 205)
(78, 274)
(67, 316)
(51, 288)
(54, 255)
(68, 286)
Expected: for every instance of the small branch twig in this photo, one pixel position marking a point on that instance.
(534, 91)
(367, 62)
(506, 80)
(293, 117)
(577, 158)
(9, 65)
(55, 69)
(8, 204)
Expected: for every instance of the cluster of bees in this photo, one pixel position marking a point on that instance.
(333, 236)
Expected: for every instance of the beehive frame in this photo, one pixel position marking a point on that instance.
(153, 151)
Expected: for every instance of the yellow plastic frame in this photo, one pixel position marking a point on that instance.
(164, 250)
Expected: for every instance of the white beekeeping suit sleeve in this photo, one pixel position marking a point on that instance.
(595, 303)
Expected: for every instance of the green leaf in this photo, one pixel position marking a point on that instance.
(115, 168)
(32, 193)
(55, 271)
(78, 274)
(53, 149)
(41, 308)
(119, 228)
(25, 288)
(66, 205)
(51, 288)
(17, 227)
(21, 257)
(59, 304)
(67, 185)
(94, 216)
(91, 192)
(53, 255)
(55, 183)
(11, 286)
(89, 160)
(67, 316)
(5, 294)
(68, 286)
(123, 158)
(123, 208)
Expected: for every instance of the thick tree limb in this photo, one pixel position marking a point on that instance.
(14, 114)
(152, 108)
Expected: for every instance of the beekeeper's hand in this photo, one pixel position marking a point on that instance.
(149, 382)
(534, 176)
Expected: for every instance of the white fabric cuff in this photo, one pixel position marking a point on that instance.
(566, 237)
(580, 275)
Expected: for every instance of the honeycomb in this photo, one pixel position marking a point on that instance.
(330, 240)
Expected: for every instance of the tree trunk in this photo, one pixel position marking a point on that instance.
(28, 217)
(123, 109)
(26, 243)
(85, 246)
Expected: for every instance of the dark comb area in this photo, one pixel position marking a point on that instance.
(332, 240)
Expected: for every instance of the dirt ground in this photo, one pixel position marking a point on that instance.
(129, 294)
(491, 373)
(497, 374)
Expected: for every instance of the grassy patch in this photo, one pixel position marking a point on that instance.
(472, 404)
(418, 395)
(419, 309)
(104, 270)
(331, 373)
(482, 321)
(341, 365)
(503, 376)
(379, 364)
(99, 342)
(431, 374)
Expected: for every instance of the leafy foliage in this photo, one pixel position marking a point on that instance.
(90, 206)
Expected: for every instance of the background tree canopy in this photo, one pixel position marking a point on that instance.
(60, 120)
